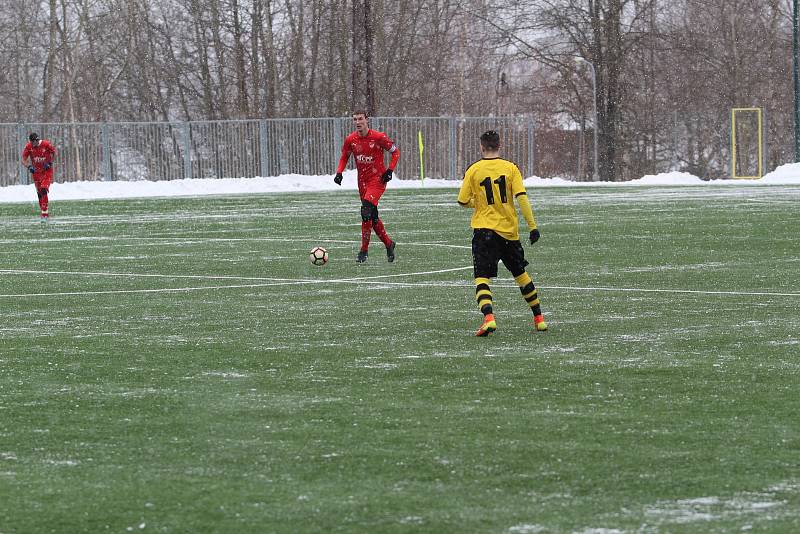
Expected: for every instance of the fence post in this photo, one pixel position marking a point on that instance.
(531, 147)
(105, 150)
(453, 150)
(187, 152)
(263, 134)
(306, 166)
(338, 141)
(23, 172)
(764, 143)
(674, 159)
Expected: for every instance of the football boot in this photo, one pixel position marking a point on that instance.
(488, 326)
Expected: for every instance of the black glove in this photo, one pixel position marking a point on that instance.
(338, 178)
(387, 175)
(46, 166)
(30, 168)
(535, 235)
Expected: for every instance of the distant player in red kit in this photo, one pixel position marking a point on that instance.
(38, 158)
(367, 147)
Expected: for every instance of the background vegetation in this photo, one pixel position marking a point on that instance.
(668, 71)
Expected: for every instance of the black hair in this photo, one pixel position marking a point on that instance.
(33, 137)
(490, 140)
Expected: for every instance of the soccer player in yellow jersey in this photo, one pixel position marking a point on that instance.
(490, 187)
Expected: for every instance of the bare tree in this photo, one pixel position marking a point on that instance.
(668, 72)
(719, 54)
(363, 84)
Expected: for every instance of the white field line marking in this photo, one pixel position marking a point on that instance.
(771, 201)
(255, 278)
(159, 290)
(267, 281)
(188, 239)
(378, 279)
(682, 291)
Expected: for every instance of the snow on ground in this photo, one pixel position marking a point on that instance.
(783, 175)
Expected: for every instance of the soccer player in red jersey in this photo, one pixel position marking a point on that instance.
(38, 156)
(367, 147)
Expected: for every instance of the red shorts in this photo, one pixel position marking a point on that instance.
(372, 191)
(43, 179)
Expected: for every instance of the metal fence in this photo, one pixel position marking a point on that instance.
(156, 151)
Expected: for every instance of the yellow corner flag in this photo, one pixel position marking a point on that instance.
(421, 164)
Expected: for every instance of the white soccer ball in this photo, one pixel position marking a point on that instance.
(318, 256)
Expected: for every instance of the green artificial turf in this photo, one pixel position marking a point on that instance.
(178, 365)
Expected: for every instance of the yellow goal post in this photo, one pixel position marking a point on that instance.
(747, 131)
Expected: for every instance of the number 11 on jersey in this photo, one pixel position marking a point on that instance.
(501, 185)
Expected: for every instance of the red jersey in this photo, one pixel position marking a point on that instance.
(40, 155)
(368, 153)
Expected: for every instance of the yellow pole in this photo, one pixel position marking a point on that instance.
(421, 163)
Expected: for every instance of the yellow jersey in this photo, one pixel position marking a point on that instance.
(490, 187)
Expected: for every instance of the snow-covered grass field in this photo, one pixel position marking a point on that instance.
(177, 365)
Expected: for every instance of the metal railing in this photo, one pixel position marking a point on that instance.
(156, 151)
